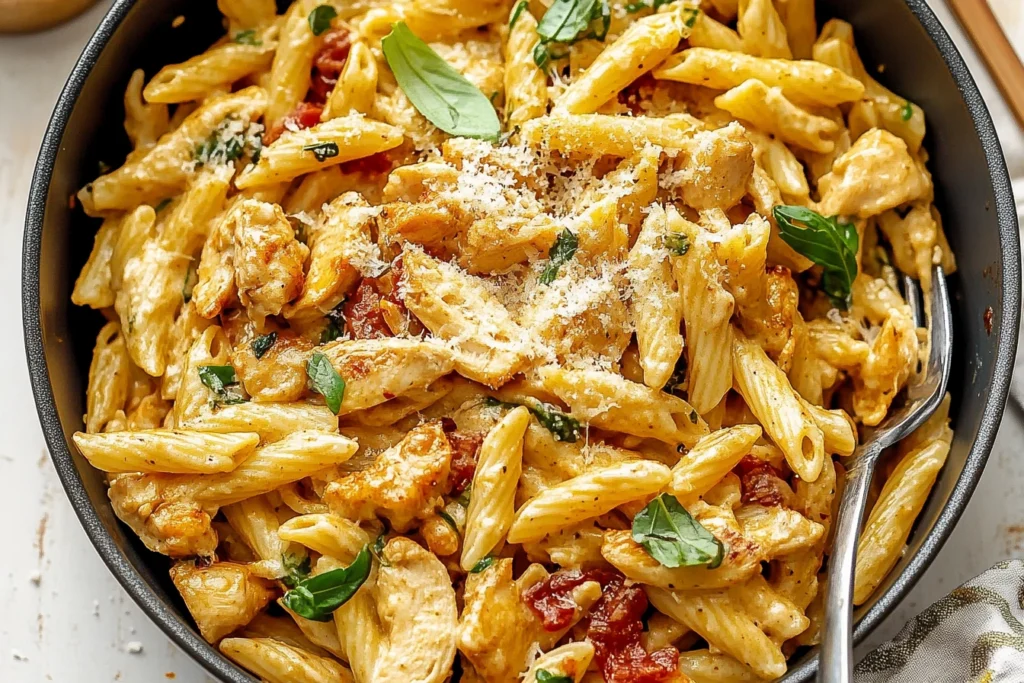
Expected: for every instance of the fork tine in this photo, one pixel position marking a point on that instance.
(912, 295)
(940, 332)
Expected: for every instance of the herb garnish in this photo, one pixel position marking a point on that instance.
(676, 384)
(223, 146)
(296, 568)
(520, 8)
(545, 676)
(674, 538)
(449, 520)
(247, 37)
(322, 150)
(561, 253)
(907, 112)
(191, 278)
(437, 89)
(325, 380)
(828, 242)
(565, 21)
(676, 242)
(482, 564)
(564, 427)
(635, 7)
(320, 18)
(221, 380)
(378, 548)
(316, 598)
(260, 345)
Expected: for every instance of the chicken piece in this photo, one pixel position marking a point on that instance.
(490, 247)
(403, 484)
(164, 523)
(378, 370)
(280, 374)
(875, 175)
(268, 259)
(435, 225)
(713, 170)
(418, 615)
(221, 597)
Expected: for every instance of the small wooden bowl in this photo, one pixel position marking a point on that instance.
(23, 16)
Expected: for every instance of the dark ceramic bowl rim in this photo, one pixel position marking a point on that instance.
(187, 639)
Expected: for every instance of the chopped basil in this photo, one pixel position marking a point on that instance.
(562, 426)
(677, 382)
(482, 565)
(322, 150)
(694, 417)
(545, 676)
(316, 598)
(378, 548)
(635, 7)
(449, 520)
(676, 242)
(221, 380)
(330, 332)
(690, 15)
(325, 380)
(191, 278)
(672, 537)
(907, 112)
(296, 569)
(164, 203)
(463, 498)
(520, 8)
(566, 21)
(828, 242)
(260, 345)
(437, 89)
(320, 18)
(226, 144)
(561, 253)
(247, 38)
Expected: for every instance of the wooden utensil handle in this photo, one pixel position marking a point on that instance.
(1003, 62)
(21, 16)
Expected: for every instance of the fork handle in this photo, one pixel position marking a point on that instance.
(836, 662)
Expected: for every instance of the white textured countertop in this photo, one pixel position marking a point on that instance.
(62, 615)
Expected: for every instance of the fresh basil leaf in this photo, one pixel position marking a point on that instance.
(565, 20)
(635, 7)
(828, 242)
(672, 537)
(320, 18)
(260, 345)
(520, 8)
(676, 242)
(603, 12)
(325, 380)
(545, 676)
(296, 569)
(562, 426)
(690, 15)
(448, 519)
(220, 379)
(223, 146)
(164, 203)
(322, 150)
(316, 598)
(561, 253)
(247, 38)
(330, 332)
(437, 90)
(482, 565)
(191, 278)
(907, 112)
(464, 497)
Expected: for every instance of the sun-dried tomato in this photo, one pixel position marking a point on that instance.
(465, 450)
(616, 626)
(761, 483)
(328, 64)
(375, 164)
(551, 599)
(304, 116)
(363, 317)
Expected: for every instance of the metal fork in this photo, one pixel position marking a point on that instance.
(924, 394)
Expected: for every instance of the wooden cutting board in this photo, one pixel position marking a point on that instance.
(22, 16)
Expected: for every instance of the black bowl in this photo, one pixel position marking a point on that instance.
(921, 63)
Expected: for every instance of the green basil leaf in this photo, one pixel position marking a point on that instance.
(449, 520)
(690, 15)
(562, 426)
(320, 18)
(330, 332)
(322, 150)
(247, 38)
(676, 242)
(325, 380)
(164, 203)
(907, 112)
(520, 8)
(378, 548)
(635, 7)
(672, 537)
(437, 90)
(545, 676)
(223, 146)
(191, 278)
(565, 20)
(464, 497)
(316, 598)
(220, 379)
(677, 382)
(828, 242)
(561, 253)
(296, 568)
(260, 345)
(482, 565)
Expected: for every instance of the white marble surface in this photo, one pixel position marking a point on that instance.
(63, 617)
